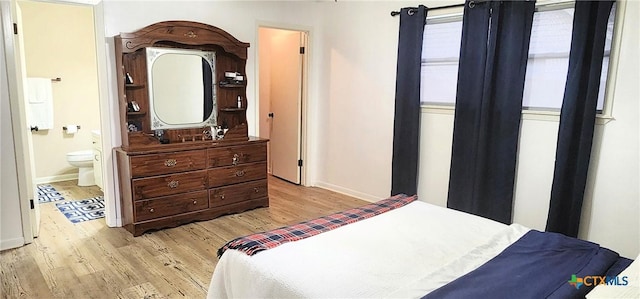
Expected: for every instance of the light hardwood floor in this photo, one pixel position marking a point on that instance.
(90, 260)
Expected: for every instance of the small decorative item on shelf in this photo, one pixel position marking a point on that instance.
(133, 107)
(217, 132)
(239, 101)
(160, 136)
(231, 75)
(128, 79)
(232, 78)
(133, 126)
(207, 133)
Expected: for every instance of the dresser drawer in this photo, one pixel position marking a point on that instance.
(237, 174)
(235, 155)
(237, 193)
(171, 205)
(150, 187)
(163, 163)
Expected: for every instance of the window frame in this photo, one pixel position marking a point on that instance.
(603, 117)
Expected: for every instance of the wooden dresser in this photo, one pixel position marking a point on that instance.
(186, 154)
(169, 188)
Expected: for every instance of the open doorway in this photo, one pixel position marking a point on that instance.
(57, 43)
(282, 89)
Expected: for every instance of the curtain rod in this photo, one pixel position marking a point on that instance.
(562, 4)
(471, 5)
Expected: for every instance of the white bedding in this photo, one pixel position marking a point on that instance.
(632, 290)
(406, 252)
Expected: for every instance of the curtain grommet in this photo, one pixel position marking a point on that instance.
(472, 4)
(411, 12)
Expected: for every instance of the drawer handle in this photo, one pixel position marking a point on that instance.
(151, 210)
(221, 196)
(256, 190)
(95, 157)
(170, 162)
(195, 202)
(173, 184)
(235, 159)
(240, 173)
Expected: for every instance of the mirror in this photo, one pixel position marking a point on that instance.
(182, 90)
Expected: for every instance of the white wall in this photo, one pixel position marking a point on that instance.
(357, 107)
(10, 220)
(353, 49)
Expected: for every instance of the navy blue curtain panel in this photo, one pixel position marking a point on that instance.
(577, 116)
(406, 124)
(493, 60)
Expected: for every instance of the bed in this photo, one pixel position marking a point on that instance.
(404, 248)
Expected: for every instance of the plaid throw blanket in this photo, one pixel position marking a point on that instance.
(255, 243)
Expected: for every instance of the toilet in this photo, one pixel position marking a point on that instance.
(84, 161)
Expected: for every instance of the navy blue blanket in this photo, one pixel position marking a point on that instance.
(539, 265)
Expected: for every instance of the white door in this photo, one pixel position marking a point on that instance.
(16, 73)
(286, 92)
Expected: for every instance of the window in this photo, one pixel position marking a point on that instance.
(546, 68)
(440, 55)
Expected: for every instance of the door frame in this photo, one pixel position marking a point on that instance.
(108, 118)
(304, 94)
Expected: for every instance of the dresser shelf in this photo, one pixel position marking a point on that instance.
(233, 109)
(230, 85)
(134, 86)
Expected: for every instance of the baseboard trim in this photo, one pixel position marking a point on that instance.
(11, 243)
(56, 178)
(347, 191)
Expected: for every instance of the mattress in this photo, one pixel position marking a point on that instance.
(406, 252)
(629, 288)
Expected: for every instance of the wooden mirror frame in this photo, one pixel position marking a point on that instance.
(231, 55)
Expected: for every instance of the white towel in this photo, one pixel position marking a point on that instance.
(40, 103)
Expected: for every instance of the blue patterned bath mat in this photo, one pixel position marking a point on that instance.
(46, 193)
(82, 210)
